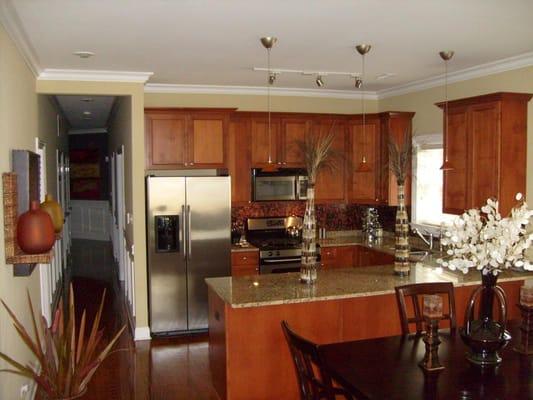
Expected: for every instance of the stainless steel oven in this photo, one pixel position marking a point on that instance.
(286, 184)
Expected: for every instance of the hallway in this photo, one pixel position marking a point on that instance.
(161, 369)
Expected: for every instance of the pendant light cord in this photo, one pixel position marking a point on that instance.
(268, 96)
(446, 99)
(363, 107)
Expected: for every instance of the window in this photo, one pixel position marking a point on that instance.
(427, 182)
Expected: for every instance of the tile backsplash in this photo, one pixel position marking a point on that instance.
(333, 217)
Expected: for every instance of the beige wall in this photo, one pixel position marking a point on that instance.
(134, 166)
(428, 117)
(259, 103)
(23, 116)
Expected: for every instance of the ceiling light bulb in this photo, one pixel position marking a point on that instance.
(83, 54)
(319, 81)
(358, 83)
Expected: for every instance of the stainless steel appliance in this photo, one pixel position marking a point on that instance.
(188, 229)
(285, 184)
(279, 241)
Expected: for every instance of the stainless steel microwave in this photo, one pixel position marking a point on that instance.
(285, 184)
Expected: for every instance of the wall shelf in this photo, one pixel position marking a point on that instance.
(14, 255)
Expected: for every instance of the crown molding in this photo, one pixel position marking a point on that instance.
(494, 67)
(49, 74)
(11, 22)
(257, 91)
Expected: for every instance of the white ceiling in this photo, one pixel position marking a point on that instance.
(75, 108)
(213, 42)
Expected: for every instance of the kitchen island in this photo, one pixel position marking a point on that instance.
(249, 357)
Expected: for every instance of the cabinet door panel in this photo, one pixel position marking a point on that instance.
(207, 141)
(365, 145)
(330, 182)
(166, 140)
(484, 128)
(293, 132)
(239, 163)
(455, 187)
(262, 145)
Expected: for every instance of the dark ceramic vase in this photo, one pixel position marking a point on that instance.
(35, 230)
(486, 336)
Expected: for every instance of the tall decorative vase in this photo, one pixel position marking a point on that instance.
(308, 269)
(485, 336)
(401, 246)
(35, 230)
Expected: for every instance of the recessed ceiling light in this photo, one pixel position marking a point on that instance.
(87, 113)
(87, 99)
(83, 54)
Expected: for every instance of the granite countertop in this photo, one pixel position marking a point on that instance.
(273, 289)
(237, 249)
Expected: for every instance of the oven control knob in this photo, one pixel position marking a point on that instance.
(270, 254)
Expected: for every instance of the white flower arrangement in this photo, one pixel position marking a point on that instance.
(487, 241)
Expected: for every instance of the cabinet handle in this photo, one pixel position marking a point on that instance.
(191, 163)
(245, 258)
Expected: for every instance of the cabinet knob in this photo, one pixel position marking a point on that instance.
(191, 163)
(280, 163)
(245, 258)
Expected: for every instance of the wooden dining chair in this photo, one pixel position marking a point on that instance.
(415, 291)
(313, 381)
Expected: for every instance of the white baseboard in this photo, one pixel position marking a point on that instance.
(142, 333)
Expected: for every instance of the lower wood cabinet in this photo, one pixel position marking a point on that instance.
(244, 263)
(353, 256)
(368, 257)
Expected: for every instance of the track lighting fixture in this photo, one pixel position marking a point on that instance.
(271, 78)
(319, 81)
(358, 83)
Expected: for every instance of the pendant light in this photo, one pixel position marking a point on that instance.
(268, 42)
(362, 49)
(446, 56)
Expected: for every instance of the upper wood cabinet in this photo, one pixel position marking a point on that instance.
(486, 146)
(263, 145)
(292, 133)
(394, 126)
(239, 159)
(177, 138)
(365, 159)
(331, 182)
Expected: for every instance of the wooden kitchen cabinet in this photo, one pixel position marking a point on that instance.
(244, 263)
(239, 160)
(367, 257)
(337, 257)
(486, 146)
(293, 131)
(192, 138)
(394, 126)
(364, 147)
(331, 182)
(261, 145)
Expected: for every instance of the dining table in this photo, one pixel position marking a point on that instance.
(387, 368)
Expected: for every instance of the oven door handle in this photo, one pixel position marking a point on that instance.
(280, 260)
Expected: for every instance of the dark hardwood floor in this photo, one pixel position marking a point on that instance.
(164, 368)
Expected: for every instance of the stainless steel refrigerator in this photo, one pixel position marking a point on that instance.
(189, 239)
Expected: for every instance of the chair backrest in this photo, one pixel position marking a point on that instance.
(415, 291)
(313, 381)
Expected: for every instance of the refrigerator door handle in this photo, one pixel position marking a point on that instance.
(189, 240)
(182, 238)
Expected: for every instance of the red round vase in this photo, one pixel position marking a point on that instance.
(35, 230)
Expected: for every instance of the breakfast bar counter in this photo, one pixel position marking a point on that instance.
(249, 357)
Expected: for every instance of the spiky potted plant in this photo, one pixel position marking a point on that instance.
(318, 154)
(67, 359)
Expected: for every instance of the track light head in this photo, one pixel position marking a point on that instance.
(271, 78)
(319, 81)
(358, 83)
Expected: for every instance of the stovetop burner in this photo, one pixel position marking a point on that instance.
(276, 243)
